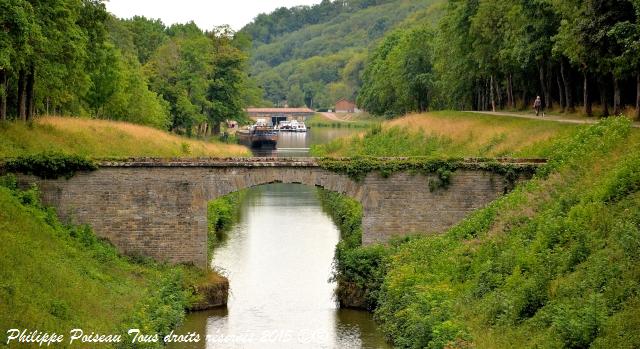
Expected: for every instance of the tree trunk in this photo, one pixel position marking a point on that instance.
(543, 85)
(512, 101)
(616, 97)
(586, 96)
(568, 93)
(498, 93)
(3, 94)
(31, 79)
(481, 96)
(638, 96)
(216, 128)
(493, 98)
(604, 101)
(548, 99)
(22, 95)
(563, 102)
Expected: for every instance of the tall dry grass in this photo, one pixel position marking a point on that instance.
(497, 135)
(453, 134)
(103, 138)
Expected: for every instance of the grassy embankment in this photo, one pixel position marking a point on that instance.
(103, 139)
(55, 278)
(360, 120)
(450, 134)
(552, 264)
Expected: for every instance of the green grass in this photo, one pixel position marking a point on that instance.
(319, 120)
(56, 278)
(103, 139)
(554, 264)
(452, 134)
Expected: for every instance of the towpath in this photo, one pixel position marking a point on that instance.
(547, 117)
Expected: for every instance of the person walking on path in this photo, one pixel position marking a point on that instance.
(537, 106)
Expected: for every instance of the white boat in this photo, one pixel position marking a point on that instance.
(297, 126)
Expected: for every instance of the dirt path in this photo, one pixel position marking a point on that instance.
(334, 117)
(547, 117)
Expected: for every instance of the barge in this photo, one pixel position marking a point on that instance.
(260, 135)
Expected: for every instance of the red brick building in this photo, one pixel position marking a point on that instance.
(345, 106)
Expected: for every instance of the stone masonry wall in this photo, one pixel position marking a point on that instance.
(160, 211)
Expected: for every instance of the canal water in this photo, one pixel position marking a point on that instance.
(297, 144)
(278, 261)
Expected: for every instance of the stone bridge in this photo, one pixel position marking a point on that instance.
(157, 208)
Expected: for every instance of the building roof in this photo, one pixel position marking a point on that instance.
(344, 100)
(279, 110)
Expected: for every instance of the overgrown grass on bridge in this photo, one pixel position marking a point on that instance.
(102, 139)
(450, 134)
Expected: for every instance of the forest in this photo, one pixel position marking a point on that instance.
(401, 56)
(315, 55)
(72, 57)
(492, 54)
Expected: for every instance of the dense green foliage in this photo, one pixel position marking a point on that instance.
(398, 77)
(315, 55)
(57, 276)
(222, 213)
(49, 165)
(553, 264)
(490, 54)
(355, 266)
(73, 57)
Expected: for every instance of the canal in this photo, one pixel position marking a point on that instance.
(296, 144)
(278, 261)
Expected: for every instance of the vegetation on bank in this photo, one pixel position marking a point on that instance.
(358, 271)
(449, 134)
(222, 213)
(102, 139)
(319, 120)
(552, 264)
(56, 277)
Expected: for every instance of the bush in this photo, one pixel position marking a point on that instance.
(49, 165)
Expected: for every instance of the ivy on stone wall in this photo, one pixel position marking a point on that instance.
(48, 165)
(358, 168)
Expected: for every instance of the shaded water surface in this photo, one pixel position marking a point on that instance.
(278, 260)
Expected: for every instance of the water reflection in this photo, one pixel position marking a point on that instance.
(297, 144)
(278, 260)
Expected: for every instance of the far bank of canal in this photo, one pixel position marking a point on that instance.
(278, 261)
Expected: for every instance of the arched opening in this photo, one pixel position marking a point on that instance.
(278, 258)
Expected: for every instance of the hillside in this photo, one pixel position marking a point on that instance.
(102, 138)
(452, 134)
(55, 277)
(315, 55)
(553, 264)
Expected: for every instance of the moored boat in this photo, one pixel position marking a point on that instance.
(260, 135)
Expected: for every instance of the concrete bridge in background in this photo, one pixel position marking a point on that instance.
(158, 208)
